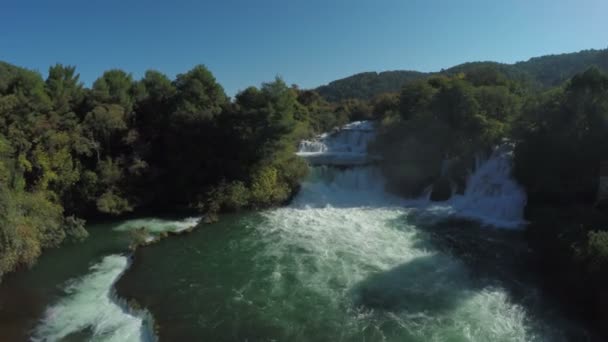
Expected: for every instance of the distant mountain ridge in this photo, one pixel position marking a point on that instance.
(544, 71)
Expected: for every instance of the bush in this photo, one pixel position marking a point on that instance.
(74, 228)
(562, 137)
(444, 118)
(597, 251)
(110, 203)
(29, 222)
(267, 189)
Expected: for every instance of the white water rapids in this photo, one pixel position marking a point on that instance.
(491, 195)
(345, 263)
(357, 248)
(90, 308)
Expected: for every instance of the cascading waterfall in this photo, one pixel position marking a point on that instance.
(346, 146)
(342, 172)
(334, 187)
(491, 195)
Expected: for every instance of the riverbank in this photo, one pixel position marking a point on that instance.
(569, 259)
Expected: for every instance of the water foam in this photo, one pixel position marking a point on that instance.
(378, 276)
(491, 194)
(344, 239)
(345, 146)
(157, 225)
(329, 186)
(90, 308)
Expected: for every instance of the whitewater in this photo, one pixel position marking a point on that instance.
(345, 261)
(90, 310)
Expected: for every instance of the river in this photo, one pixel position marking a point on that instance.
(345, 261)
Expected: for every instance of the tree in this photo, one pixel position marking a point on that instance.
(198, 94)
(415, 99)
(64, 88)
(114, 87)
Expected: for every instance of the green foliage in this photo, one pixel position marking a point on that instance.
(74, 228)
(267, 188)
(540, 72)
(553, 70)
(199, 94)
(415, 99)
(440, 118)
(29, 222)
(355, 110)
(563, 137)
(104, 122)
(570, 242)
(385, 105)
(597, 251)
(64, 88)
(68, 151)
(114, 87)
(367, 85)
(320, 114)
(111, 203)
(237, 196)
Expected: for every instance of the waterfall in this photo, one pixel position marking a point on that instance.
(346, 146)
(342, 173)
(351, 246)
(491, 195)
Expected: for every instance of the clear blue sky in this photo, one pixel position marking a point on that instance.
(307, 42)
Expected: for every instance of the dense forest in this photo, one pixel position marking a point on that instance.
(542, 72)
(68, 152)
(366, 85)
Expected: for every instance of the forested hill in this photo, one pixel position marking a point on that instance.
(366, 85)
(552, 70)
(545, 71)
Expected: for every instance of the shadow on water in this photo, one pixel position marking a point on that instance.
(430, 284)
(469, 258)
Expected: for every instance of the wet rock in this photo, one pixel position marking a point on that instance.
(442, 190)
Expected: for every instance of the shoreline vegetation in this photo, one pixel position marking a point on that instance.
(69, 152)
